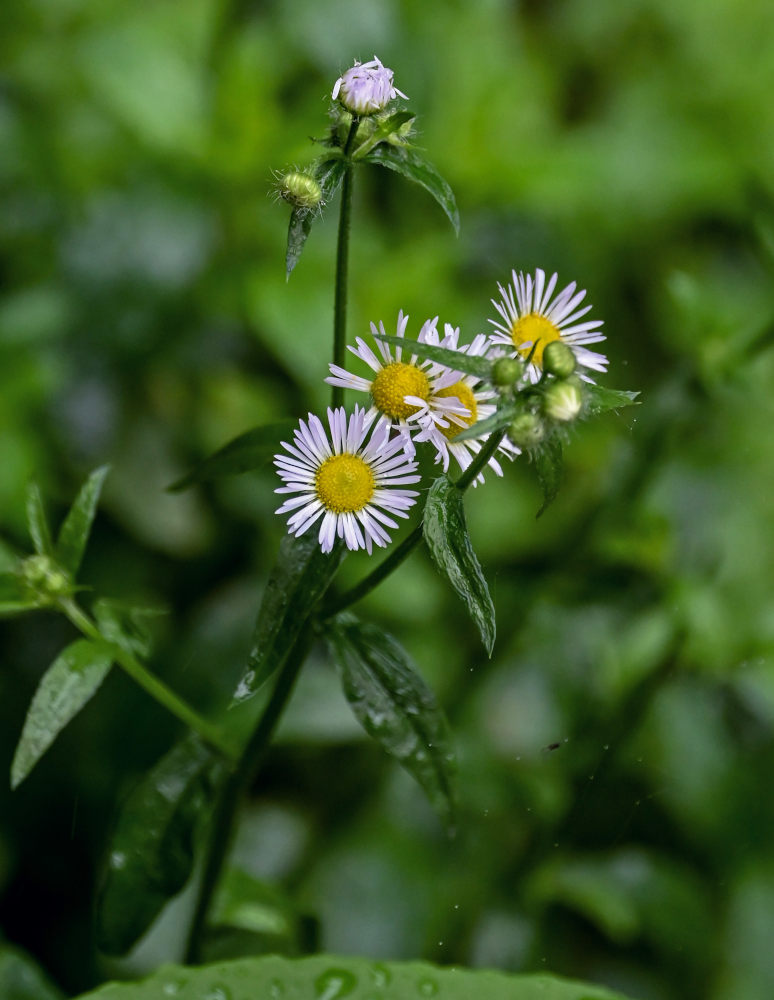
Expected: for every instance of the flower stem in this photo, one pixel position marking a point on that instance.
(396, 557)
(342, 265)
(155, 687)
(221, 831)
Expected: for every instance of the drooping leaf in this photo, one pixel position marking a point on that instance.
(549, 466)
(37, 524)
(299, 579)
(447, 538)
(501, 418)
(152, 850)
(248, 451)
(126, 625)
(600, 399)
(456, 360)
(68, 684)
(330, 977)
(22, 979)
(383, 132)
(76, 526)
(329, 175)
(415, 167)
(395, 706)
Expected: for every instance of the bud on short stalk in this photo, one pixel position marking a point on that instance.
(506, 372)
(300, 190)
(558, 359)
(366, 88)
(43, 580)
(563, 400)
(527, 430)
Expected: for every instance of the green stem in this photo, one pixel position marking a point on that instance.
(396, 557)
(156, 688)
(221, 831)
(342, 266)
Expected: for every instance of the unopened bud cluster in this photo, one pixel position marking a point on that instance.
(43, 580)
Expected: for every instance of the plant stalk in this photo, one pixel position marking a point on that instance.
(342, 265)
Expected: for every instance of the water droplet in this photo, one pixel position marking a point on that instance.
(428, 987)
(334, 983)
(606, 746)
(381, 975)
(276, 989)
(456, 906)
(172, 987)
(117, 860)
(218, 992)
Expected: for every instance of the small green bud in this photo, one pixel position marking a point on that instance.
(43, 579)
(527, 430)
(301, 190)
(563, 401)
(506, 372)
(558, 359)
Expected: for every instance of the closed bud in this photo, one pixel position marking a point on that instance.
(527, 430)
(43, 579)
(507, 371)
(301, 190)
(558, 359)
(563, 401)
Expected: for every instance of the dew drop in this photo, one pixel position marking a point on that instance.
(381, 975)
(276, 989)
(334, 983)
(428, 987)
(172, 987)
(218, 992)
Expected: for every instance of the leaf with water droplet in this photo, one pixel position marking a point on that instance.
(22, 979)
(395, 706)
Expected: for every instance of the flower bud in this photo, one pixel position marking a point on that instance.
(301, 190)
(562, 401)
(558, 359)
(43, 579)
(527, 430)
(507, 371)
(366, 88)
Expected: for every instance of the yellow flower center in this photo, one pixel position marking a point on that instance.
(344, 483)
(465, 395)
(534, 329)
(395, 381)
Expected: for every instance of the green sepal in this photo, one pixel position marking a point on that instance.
(395, 706)
(301, 575)
(383, 132)
(454, 360)
(329, 977)
(415, 167)
(68, 684)
(74, 532)
(600, 400)
(151, 854)
(447, 538)
(37, 523)
(249, 451)
(549, 465)
(329, 175)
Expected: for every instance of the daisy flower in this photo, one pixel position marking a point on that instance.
(366, 88)
(529, 317)
(352, 484)
(399, 388)
(442, 429)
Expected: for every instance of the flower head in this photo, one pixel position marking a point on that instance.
(353, 484)
(530, 319)
(400, 387)
(366, 88)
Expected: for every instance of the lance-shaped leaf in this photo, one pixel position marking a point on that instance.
(499, 419)
(549, 467)
(330, 977)
(65, 688)
(456, 360)
(447, 538)
(328, 175)
(76, 526)
(299, 579)
(412, 165)
(152, 851)
(383, 132)
(13, 596)
(600, 400)
(395, 706)
(37, 524)
(22, 979)
(248, 451)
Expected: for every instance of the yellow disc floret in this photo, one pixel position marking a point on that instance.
(344, 483)
(395, 381)
(465, 395)
(534, 329)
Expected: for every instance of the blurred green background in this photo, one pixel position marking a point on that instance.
(145, 320)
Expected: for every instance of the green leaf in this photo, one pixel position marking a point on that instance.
(549, 466)
(447, 538)
(13, 600)
(248, 451)
(329, 174)
(37, 524)
(455, 360)
(501, 418)
(395, 706)
(415, 167)
(126, 625)
(68, 684)
(330, 977)
(383, 132)
(22, 979)
(74, 533)
(599, 399)
(301, 575)
(152, 850)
